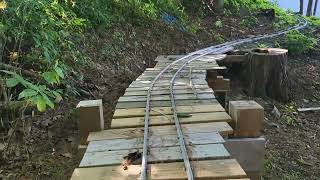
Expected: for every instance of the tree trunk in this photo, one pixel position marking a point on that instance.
(309, 10)
(268, 73)
(301, 7)
(315, 8)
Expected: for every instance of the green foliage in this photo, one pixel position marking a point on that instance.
(142, 12)
(219, 38)
(253, 6)
(261, 45)
(249, 21)
(289, 118)
(269, 164)
(298, 43)
(218, 24)
(313, 21)
(43, 29)
(36, 94)
(45, 36)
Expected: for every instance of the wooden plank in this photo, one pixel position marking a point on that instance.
(222, 127)
(167, 120)
(167, 57)
(195, 66)
(214, 169)
(164, 88)
(169, 76)
(154, 142)
(155, 70)
(167, 91)
(166, 83)
(166, 97)
(156, 155)
(127, 105)
(208, 169)
(138, 112)
(171, 73)
(178, 80)
(170, 58)
(198, 62)
(158, 69)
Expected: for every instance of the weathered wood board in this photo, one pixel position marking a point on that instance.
(167, 92)
(222, 127)
(139, 112)
(207, 169)
(154, 142)
(168, 119)
(197, 86)
(166, 97)
(156, 155)
(128, 105)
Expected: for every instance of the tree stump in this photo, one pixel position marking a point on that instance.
(267, 75)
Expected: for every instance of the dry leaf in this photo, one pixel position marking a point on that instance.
(13, 56)
(2, 146)
(3, 4)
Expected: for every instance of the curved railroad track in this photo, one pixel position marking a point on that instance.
(217, 49)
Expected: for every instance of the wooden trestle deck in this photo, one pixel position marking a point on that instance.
(204, 124)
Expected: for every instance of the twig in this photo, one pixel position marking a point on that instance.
(309, 109)
(15, 128)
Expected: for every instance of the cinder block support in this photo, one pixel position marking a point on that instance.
(90, 118)
(250, 153)
(247, 118)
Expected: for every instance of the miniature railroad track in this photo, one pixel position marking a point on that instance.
(174, 92)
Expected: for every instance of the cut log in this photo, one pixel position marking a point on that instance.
(267, 76)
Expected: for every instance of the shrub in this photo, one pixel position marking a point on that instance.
(298, 43)
(218, 24)
(45, 35)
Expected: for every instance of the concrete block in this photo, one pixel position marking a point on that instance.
(247, 118)
(90, 118)
(249, 152)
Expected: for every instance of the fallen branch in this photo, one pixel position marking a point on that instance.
(23, 71)
(309, 109)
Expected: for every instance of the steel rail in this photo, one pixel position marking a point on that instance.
(177, 123)
(202, 52)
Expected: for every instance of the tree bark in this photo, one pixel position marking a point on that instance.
(267, 73)
(301, 7)
(309, 10)
(315, 8)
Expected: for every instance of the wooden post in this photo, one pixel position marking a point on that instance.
(90, 118)
(267, 73)
(247, 118)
